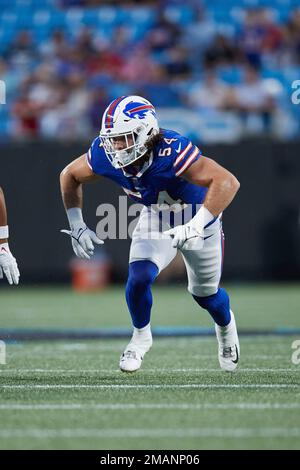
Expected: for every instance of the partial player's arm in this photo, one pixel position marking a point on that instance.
(8, 264)
(222, 187)
(3, 215)
(72, 177)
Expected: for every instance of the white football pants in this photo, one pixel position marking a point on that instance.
(204, 266)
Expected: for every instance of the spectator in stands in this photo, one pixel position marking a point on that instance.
(123, 41)
(43, 85)
(106, 61)
(210, 94)
(252, 98)
(78, 99)
(22, 50)
(139, 68)
(178, 64)
(11, 79)
(159, 89)
(200, 33)
(55, 47)
(290, 53)
(84, 44)
(98, 101)
(164, 34)
(259, 35)
(58, 121)
(26, 114)
(222, 51)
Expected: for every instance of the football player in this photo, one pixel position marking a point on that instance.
(8, 264)
(156, 166)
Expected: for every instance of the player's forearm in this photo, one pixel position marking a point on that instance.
(3, 214)
(3, 219)
(221, 192)
(71, 190)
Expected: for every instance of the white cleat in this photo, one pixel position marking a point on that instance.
(132, 357)
(229, 347)
(131, 360)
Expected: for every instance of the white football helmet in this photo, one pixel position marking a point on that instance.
(127, 123)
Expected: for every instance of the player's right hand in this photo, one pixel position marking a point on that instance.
(83, 240)
(8, 265)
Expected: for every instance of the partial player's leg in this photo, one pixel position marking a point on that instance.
(218, 307)
(148, 256)
(139, 300)
(204, 269)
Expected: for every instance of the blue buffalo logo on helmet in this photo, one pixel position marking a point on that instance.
(138, 110)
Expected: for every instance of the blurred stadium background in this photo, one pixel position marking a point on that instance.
(222, 73)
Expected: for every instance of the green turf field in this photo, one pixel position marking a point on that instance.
(70, 395)
(258, 307)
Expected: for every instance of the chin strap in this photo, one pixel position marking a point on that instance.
(145, 166)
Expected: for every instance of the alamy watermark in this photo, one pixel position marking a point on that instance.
(296, 94)
(2, 92)
(152, 221)
(2, 353)
(296, 354)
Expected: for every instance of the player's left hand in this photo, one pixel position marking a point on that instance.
(186, 237)
(8, 265)
(83, 240)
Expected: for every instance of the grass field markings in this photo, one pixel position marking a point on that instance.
(110, 344)
(125, 433)
(156, 371)
(151, 406)
(159, 344)
(73, 346)
(248, 356)
(141, 386)
(54, 354)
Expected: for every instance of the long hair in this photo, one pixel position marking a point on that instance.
(153, 141)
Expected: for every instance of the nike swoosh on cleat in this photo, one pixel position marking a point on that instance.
(237, 355)
(205, 238)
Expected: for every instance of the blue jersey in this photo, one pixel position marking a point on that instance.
(161, 182)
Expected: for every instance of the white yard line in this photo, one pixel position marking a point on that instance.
(142, 386)
(157, 371)
(249, 356)
(125, 433)
(58, 355)
(151, 406)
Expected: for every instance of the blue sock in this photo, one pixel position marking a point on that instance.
(217, 305)
(141, 275)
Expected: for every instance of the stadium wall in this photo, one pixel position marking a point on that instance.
(261, 226)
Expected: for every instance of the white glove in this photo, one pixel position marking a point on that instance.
(190, 236)
(82, 240)
(186, 236)
(8, 265)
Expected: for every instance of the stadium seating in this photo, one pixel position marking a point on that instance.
(43, 17)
